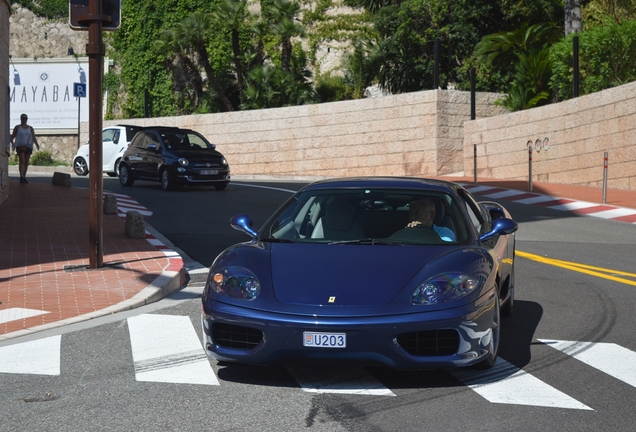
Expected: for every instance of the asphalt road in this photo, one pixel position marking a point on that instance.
(575, 283)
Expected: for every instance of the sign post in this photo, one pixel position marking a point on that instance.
(89, 15)
(79, 91)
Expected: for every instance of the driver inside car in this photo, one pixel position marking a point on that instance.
(422, 212)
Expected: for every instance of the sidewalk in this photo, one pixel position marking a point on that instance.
(44, 238)
(44, 234)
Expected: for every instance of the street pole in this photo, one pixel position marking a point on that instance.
(95, 51)
(79, 100)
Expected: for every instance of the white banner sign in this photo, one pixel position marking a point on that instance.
(43, 90)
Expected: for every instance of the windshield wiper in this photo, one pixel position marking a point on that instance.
(367, 241)
(276, 240)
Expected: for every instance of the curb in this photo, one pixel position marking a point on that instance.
(172, 278)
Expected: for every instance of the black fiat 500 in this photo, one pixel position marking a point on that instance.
(173, 156)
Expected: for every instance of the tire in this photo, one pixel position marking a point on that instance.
(221, 186)
(125, 176)
(508, 308)
(493, 348)
(167, 180)
(80, 167)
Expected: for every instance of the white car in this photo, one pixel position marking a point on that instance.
(115, 139)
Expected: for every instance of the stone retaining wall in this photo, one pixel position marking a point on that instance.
(413, 134)
(579, 132)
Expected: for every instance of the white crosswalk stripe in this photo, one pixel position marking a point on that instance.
(166, 348)
(38, 357)
(13, 314)
(507, 384)
(610, 358)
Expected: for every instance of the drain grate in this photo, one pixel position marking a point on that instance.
(86, 267)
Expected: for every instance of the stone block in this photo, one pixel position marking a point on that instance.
(134, 226)
(110, 204)
(61, 179)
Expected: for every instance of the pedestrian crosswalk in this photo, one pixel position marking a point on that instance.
(167, 349)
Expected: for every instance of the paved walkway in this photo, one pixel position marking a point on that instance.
(44, 248)
(44, 235)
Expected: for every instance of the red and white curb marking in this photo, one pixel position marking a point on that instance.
(126, 203)
(564, 204)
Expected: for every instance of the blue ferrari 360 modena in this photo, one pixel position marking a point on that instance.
(407, 273)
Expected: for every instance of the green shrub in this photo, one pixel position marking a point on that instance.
(607, 54)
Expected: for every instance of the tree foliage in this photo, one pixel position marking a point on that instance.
(607, 55)
(52, 9)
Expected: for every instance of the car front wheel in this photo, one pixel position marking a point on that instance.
(125, 176)
(80, 167)
(167, 180)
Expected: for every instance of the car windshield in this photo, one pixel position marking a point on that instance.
(185, 141)
(368, 216)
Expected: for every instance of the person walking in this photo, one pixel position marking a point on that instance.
(23, 139)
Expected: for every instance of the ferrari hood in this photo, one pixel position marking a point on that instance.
(344, 275)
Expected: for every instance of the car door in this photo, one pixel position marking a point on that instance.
(150, 156)
(110, 140)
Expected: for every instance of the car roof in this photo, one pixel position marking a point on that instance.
(384, 182)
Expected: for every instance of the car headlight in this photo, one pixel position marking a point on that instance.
(444, 288)
(223, 161)
(184, 162)
(235, 282)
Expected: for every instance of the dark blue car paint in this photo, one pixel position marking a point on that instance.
(372, 286)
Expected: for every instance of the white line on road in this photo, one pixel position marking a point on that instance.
(507, 384)
(38, 357)
(13, 314)
(166, 348)
(342, 380)
(610, 358)
(263, 187)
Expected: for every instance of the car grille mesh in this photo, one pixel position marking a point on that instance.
(233, 336)
(430, 343)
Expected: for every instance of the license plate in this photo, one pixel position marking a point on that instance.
(208, 172)
(325, 340)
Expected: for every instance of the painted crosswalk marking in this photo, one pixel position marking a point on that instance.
(38, 357)
(610, 358)
(342, 380)
(507, 384)
(166, 348)
(13, 314)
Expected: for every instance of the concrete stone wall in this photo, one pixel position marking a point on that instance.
(579, 132)
(414, 134)
(5, 13)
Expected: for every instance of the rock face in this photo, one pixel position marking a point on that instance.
(36, 37)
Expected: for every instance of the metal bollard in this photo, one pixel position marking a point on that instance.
(604, 177)
(530, 166)
(475, 163)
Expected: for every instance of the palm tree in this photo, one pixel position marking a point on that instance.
(284, 16)
(232, 14)
(192, 33)
(528, 49)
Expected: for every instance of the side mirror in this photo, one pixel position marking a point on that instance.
(500, 226)
(152, 147)
(243, 222)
